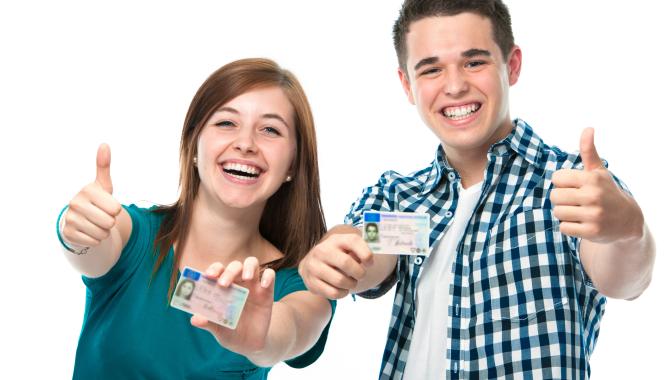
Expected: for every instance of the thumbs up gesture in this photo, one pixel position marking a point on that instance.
(92, 212)
(590, 204)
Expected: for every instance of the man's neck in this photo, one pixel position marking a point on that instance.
(470, 167)
(471, 163)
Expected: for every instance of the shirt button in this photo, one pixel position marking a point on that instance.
(418, 260)
(448, 214)
(451, 176)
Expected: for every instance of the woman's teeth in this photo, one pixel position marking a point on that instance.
(241, 171)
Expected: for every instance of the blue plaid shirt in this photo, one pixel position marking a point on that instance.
(521, 304)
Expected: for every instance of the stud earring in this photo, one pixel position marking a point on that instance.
(195, 161)
(288, 178)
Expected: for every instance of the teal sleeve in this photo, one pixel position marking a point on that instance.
(290, 283)
(136, 248)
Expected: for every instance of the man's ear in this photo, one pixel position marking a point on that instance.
(514, 65)
(404, 81)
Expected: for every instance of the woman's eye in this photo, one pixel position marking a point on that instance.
(225, 123)
(271, 131)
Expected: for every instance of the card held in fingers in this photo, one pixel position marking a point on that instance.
(197, 294)
(397, 233)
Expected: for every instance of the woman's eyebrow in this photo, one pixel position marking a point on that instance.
(276, 117)
(264, 116)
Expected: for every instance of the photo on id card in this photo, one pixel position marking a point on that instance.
(397, 233)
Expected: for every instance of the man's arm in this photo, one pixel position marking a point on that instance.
(621, 269)
(342, 264)
(617, 249)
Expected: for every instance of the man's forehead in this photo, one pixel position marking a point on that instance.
(448, 37)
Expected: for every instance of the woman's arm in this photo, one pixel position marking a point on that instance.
(297, 322)
(94, 226)
(268, 332)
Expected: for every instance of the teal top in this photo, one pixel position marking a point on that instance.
(130, 331)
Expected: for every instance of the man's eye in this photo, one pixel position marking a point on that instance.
(225, 123)
(430, 71)
(473, 64)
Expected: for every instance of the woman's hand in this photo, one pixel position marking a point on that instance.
(251, 334)
(95, 225)
(92, 213)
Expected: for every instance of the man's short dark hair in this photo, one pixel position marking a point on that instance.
(414, 10)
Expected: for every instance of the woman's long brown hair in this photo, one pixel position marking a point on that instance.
(293, 217)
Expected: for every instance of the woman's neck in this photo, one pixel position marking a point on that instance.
(223, 234)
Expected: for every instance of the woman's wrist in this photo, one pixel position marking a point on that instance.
(73, 248)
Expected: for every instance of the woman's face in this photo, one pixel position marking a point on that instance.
(185, 289)
(246, 149)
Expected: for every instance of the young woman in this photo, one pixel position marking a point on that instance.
(248, 210)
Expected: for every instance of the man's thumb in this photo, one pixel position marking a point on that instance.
(102, 162)
(587, 149)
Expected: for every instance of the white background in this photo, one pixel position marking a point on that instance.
(74, 74)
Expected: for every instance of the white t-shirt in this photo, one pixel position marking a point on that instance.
(428, 349)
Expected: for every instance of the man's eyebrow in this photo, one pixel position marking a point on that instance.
(475, 52)
(466, 54)
(425, 62)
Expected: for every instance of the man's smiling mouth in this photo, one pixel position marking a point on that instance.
(461, 112)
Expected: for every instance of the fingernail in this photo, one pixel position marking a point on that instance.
(265, 282)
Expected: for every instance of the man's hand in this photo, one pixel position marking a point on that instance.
(589, 203)
(335, 266)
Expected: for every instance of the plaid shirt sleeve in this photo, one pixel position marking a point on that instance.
(375, 198)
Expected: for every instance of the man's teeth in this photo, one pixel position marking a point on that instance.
(457, 113)
(240, 170)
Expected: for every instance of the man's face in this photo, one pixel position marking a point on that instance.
(457, 78)
(371, 231)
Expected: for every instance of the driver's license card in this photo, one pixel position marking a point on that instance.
(197, 294)
(397, 233)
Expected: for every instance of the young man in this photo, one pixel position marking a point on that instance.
(526, 240)
(371, 232)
